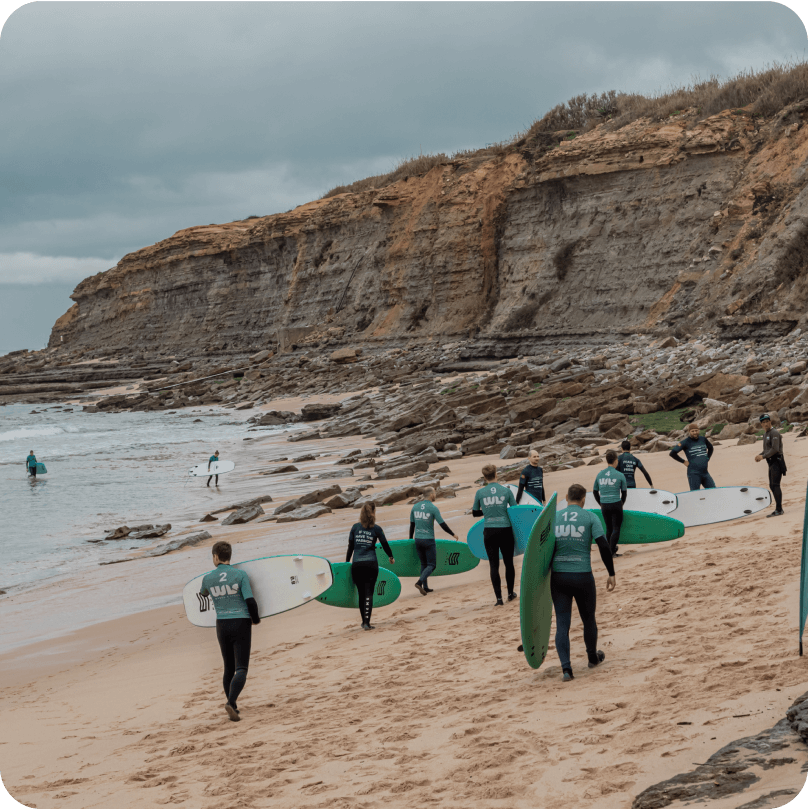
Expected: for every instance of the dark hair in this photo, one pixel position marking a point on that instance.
(489, 471)
(367, 516)
(611, 456)
(626, 445)
(576, 492)
(223, 550)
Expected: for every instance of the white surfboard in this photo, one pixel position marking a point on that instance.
(527, 499)
(279, 584)
(216, 468)
(706, 506)
(652, 501)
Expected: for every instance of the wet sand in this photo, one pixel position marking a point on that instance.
(435, 706)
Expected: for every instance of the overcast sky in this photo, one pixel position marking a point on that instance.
(121, 123)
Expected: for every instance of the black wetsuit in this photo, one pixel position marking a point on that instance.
(628, 464)
(698, 452)
(365, 567)
(773, 455)
(531, 481)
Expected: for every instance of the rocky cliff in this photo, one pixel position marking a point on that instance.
(684, 225)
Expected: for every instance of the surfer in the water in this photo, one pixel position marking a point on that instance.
(698, 451)
(236, 612)
(491, 502)
(532, 479)
(422, 528)
(213, 458)
(365, 567)
(572, 577)
(773, 455)
(610, 491)
(30, 462)
(628, 464)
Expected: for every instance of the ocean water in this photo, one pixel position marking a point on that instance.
(104, 470)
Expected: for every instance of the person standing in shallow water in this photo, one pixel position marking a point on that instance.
(491, 502)
(365, 566)
(30, 463)
(213, 458)
(572, 579)
(422, 528)
(236, 612)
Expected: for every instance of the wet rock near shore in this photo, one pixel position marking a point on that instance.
(243, 515)
(178, 543)
(305, 513)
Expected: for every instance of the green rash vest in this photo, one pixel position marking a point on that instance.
(31, 461)
(424, 514)
(229, 588)
(611, 484)
(575, 529)
(493, 500)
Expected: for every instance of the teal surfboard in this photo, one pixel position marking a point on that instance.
(640, 527)
(342, 592)
(452, 557)
(40, 469)
(535, 602)
(522, 519)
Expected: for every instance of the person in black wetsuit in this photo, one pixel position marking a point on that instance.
(773, 455)
(628, 464)
(236, 612)
(572, 578)
(532, 479)
(698, 451)
(365, 567)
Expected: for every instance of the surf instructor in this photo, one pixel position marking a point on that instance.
(30, 462)
(532, 479)
(422, 528)
(773, 455)
(698, 451)
(236, 612)
(365, 566)
(572, 579)
(213, 458)
(491, 502)
(628, 464)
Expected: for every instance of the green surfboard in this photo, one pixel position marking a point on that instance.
(641, 527)
(452, 557)
(342, 592)
(535, 602)
(40, 469)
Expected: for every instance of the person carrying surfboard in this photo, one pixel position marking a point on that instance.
(213, 458)
(365, 567)
(532, 479)
(773, 455)
(698, 451)
(628, 464)
(422, 529)
(491, 502)
(610, 491)
(236, 612)
(571, 577)
(30, 462)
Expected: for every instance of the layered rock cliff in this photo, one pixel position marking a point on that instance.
(656, 226)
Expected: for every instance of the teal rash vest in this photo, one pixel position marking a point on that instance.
(229, 588)
(31, 461)
(493, 500)
(575, 529)
(610, 483)
(424, 514)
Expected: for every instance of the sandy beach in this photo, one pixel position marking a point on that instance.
(435, 706)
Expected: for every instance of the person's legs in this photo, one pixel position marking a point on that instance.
(33, 471)
(617, 522)
(562, 604)
(364, 577)
(216, 482)
(224, 635)
(492, 549)
(707, 480)
(606, 511)
(693, 480)
(429, 560)
(586, 598)
(241, 643)
(775, 476)
(209, 480)
(507, 544)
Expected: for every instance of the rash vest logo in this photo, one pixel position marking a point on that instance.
(569, 531)
(224, 590)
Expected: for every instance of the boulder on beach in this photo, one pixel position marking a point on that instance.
(151, 532)
(179, 542)
(243, 515)
(305, 513)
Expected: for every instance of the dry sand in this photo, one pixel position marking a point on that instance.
(435, 706)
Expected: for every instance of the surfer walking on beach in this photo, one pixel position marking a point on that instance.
(30, 462)
(628, 464)
(698, 451)
(532, 479)
(773, 455)
(610, 491)
(422, 528)
(365, 566)
(572, 579)
(213, 458)
(491, 502)
(236, 612)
